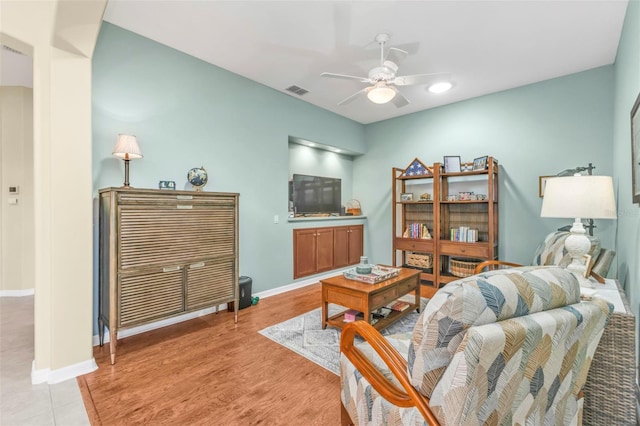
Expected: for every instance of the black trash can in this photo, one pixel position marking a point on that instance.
(244, 286)
(245, 292)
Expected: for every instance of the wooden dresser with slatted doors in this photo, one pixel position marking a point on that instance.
(164, 253)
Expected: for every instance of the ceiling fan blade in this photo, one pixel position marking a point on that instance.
(396, 55)
(408, 80)
(354, 96)
(345, 76)
(399, 100)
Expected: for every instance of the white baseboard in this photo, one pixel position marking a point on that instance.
(17, 293)
(51, 377)
(174, 320)
(159, 324)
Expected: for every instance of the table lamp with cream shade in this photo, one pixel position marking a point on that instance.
(579, 197)
(127, 148)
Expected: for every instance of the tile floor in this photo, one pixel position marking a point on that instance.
(21, 403)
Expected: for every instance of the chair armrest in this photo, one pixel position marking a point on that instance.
(409, 397)
(494, 263)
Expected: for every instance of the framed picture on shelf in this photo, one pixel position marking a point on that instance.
(635, 150)
(542, 181)
(452, 164)
(588, 262)
(480, 163)
(406, 196)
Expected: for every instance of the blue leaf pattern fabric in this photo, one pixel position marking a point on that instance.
(493, 296)
(505, 347)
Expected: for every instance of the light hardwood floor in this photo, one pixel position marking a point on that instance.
(210, 371)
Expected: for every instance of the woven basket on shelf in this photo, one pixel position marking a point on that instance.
(353, 207)
(420, 260)
(463, 267)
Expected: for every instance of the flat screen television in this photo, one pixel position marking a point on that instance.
(316, 194)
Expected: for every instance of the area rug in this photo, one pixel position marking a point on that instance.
(304, 335)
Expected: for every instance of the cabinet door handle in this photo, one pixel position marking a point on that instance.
(170, 269)
(462, 249)
(196, 265)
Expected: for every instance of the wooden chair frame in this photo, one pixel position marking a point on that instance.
(407, 397)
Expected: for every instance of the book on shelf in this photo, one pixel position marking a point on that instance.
(381, 313)
(417, 231)
(464, 234)
(351, 315)
(398, 305)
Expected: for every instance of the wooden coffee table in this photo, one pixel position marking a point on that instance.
(366, 298)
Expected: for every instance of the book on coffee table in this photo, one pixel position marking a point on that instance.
(398, 305)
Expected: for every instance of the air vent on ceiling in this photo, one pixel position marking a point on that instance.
(297, 90)
(10, 49)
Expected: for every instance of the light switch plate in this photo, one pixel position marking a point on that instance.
(14, 190)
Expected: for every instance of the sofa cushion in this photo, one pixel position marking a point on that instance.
(552, 252)
(477, 300)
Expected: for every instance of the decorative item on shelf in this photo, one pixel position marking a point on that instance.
(453, 197)
(363, 267)
(420, 260)
(462, 267)
(467, 167)
(480, 163)
(452, 164)
(578, 197)
(425, 197)
(425, 234)
(353, 207)
(378, 274)
(466, 196)
(417, 168)
(198, 177)
(127, 148)
(406, 196)
(166, 184)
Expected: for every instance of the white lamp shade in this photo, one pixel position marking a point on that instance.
(381, 93)
(127, 147)
(579, 197)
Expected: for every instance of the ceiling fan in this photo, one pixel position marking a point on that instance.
(383, 79)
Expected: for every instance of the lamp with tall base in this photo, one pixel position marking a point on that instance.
(127, 148)
(579, 197)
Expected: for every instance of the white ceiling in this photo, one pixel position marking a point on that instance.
(487, 46)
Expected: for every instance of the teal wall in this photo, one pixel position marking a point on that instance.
(535, 130)
(627, 88)
(188, 113)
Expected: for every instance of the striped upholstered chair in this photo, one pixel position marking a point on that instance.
(504, 347)
(551, 251)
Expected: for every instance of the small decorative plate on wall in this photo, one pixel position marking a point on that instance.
(198, 178)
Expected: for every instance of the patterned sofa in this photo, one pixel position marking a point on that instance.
(503, 347)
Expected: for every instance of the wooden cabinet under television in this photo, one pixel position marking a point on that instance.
(164, 253)
(348, 245)
(323, 249)
(424, 227)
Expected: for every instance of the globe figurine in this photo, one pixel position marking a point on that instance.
(197, 177)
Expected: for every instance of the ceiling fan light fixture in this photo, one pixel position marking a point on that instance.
(381, 93)
(440, 87)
